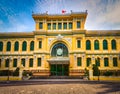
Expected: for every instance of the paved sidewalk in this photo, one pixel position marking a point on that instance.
(56, 80)
(59, 86)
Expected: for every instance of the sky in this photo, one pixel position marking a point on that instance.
(16, 15)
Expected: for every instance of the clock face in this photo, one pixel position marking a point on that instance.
(59, 51)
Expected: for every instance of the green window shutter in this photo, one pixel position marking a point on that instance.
(88, 61)
(0, 62)
(54, 26)
(49, 26)
(115, 63)
(23, 62)
(79, 60)
(16, 46)
(39, 61)
(40, 44)
(59, 26)
(30, 62)
(14, 62)
(78, 44)
(70, 25)
(78, 24)
(105, 45)
(7, 63)
(106, 62)
(97, 62)
(64, 25)
(41, 25)
(32, 46)
(113, 45)
(96, 45)
(8, 46)
(24, 46)
(1, 46)
(88, 45)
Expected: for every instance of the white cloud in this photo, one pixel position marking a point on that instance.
(101, 13)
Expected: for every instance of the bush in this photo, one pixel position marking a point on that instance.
(6, 73)
(26, 73)
(86, 72)
(16, 72)
(108, 73)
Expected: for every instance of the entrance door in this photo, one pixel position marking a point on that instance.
(59, 70)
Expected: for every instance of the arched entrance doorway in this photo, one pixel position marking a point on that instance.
(59, 62)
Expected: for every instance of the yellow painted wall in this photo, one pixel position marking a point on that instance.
(69, 38)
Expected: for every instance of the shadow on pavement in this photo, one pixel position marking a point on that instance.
(112, 87)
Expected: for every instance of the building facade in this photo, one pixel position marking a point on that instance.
(60, 46)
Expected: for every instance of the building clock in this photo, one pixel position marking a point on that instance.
(59, 51)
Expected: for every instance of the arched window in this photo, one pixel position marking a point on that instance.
(97, 62)
(8, 46)
(59, 49)
(106, 62)
(23, 61)
(88, 62)
(105, 45)
(15, 62)
(1, 46)
(88, 45)
(96, 45)
(115, 62)
(16, 46)
(31, 62)
(32, 46)
(113, 43)
(7, 63)
(24, 46)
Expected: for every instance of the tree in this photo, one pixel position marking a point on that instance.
(96, 71)
(16, 72)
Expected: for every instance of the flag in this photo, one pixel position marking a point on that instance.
(63, 11)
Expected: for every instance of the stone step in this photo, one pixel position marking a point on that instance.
(57, 77)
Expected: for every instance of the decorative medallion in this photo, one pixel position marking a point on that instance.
(59, 37)
(59, 51)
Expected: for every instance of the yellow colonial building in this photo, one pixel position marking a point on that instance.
(60, 46)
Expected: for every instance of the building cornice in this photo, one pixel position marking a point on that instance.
(65, 15)
(17, 35)
(92, 33)
(88, 33)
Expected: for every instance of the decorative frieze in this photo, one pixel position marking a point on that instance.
(50, 40)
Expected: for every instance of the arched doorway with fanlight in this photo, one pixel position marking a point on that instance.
(59, 61)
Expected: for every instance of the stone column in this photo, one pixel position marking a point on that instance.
(102, 62)
(2, 62)
(4, 47)
(12, 47)
(21, 71)
(35, 61)
(90, 74)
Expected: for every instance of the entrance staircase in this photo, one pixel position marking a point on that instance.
(57, 77)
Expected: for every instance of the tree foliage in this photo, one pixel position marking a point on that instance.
(96, 71)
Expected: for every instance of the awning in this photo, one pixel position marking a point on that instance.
(59, 60)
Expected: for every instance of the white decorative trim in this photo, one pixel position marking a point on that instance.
(69, 40)
(59, 37)
(50, 40)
